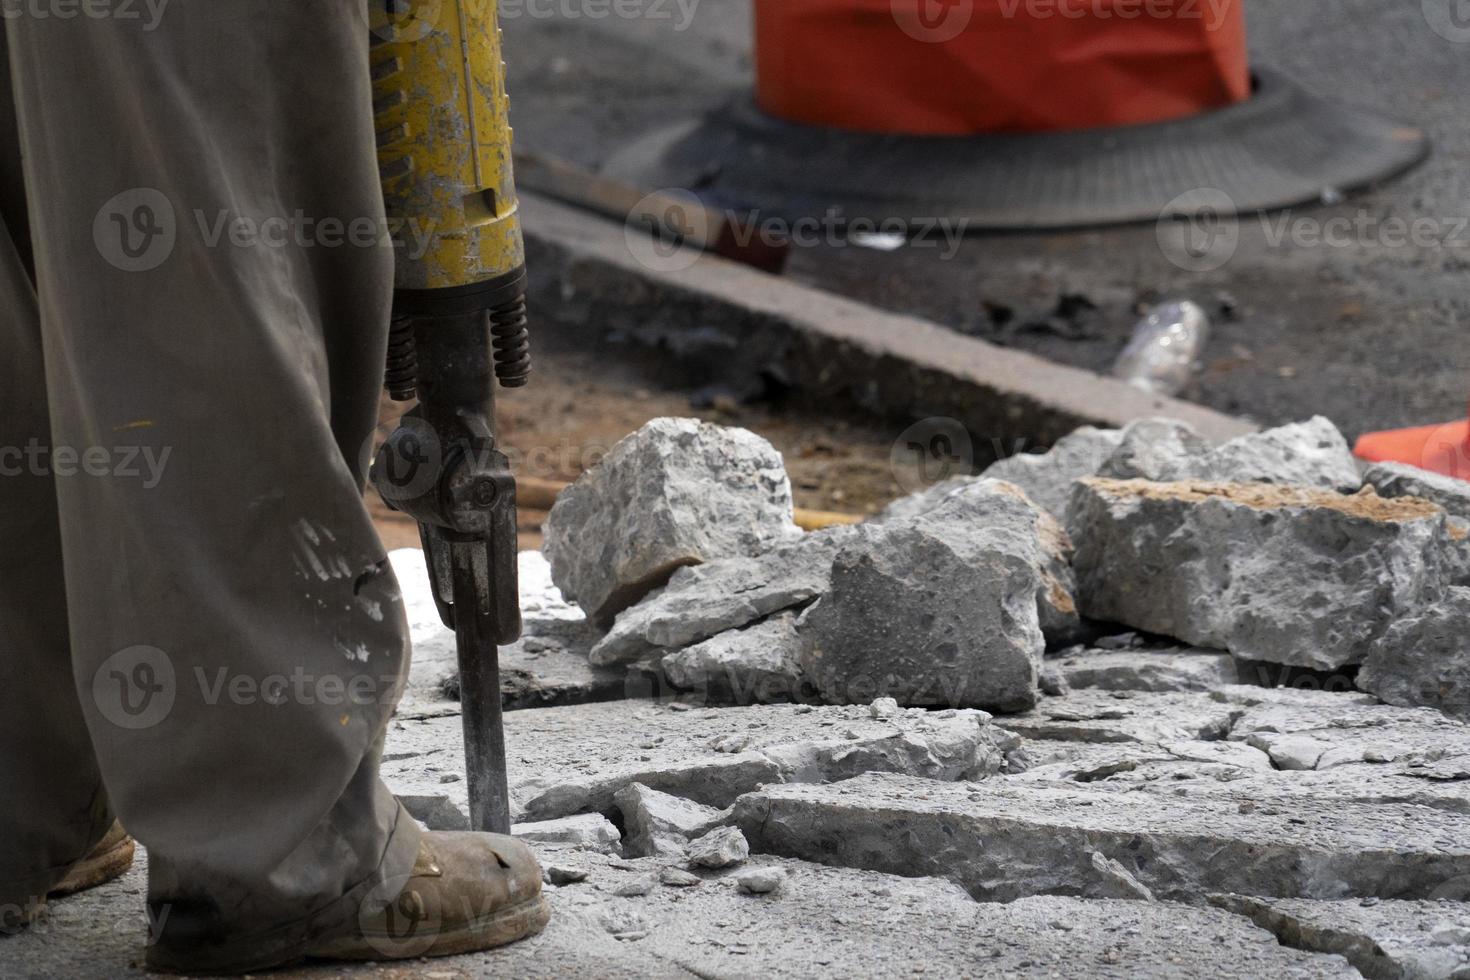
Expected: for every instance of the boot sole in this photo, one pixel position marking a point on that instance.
(96, 869)
(498, 929)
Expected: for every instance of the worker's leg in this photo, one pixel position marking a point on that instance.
(53, 805)
(203, 196)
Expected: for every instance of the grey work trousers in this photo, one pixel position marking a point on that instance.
(199, 632)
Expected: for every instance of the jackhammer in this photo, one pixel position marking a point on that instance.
(459, 319)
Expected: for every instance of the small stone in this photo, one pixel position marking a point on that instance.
(1052, 681)
(679, 878)
(720, 848)
(563, 874)
(761, 881)
(883, 708)
(639, 886)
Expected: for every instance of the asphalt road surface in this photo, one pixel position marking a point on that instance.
(1363, 325)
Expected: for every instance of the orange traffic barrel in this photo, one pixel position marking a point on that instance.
(957, 67)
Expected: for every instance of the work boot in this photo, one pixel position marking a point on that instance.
(110, 859)
(467, 892)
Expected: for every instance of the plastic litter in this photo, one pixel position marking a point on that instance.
(1164, 348)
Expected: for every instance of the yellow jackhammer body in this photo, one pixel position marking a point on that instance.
(459, 323)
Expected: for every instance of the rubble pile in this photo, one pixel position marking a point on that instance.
(1139, 705)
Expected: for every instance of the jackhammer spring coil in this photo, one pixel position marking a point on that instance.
(512, 342)
(401, 378)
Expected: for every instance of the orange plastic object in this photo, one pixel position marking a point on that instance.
(1441, 448)
(957, 67)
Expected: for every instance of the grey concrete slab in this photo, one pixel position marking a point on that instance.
(1005, 839)
(573, 759)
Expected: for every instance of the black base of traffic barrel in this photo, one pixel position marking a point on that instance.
(1281, 147)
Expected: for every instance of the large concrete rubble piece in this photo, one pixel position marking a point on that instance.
(1287, 575)
(1388, 940)
(1015, 557)
(547, 666)
(676, 492)
(1006, 839)
(574, 759)
(944, 607)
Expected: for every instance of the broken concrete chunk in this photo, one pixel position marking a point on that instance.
(586, 830)
(678, 878)
(1402, 480)
(1174, 669)
(759, 664)
(563, 874)
(1387, 940)
(1153, 449)
(1287, 575)
(704, 600)
(660, 825)
(933, 609)
(1311, 453)
(637, 887)
(1005, 839)
(676, 492)
(1424, 658)
(927, 615)
(720, 848)
(1047, 477)
(995, 515)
